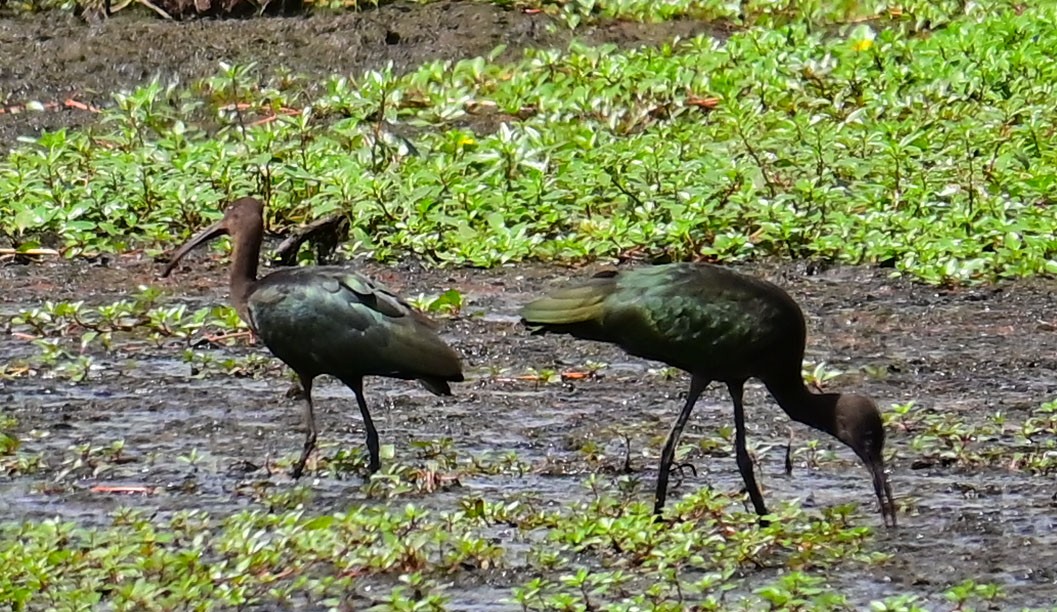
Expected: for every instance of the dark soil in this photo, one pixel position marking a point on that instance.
(969, 352)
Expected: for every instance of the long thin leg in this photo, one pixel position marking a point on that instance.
(372, 433)
(744, 461)
(697, 385)
(310, 426)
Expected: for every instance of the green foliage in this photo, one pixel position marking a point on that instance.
(68, 335)
(287, 557)
(926, 153)
(9, 442)
(247, 559)
(607, 551)
(1013, 441)
(797, 591)
(768, 13)
(37, 6)
(573, 13)
(448, 303)
(921, 138)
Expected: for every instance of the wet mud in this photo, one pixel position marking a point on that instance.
(968, 352)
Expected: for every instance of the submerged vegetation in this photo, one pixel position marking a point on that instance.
(606, 552)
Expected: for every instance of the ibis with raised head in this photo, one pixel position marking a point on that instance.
(328, 320)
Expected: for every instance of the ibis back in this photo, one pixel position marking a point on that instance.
(327, 320)
(703, 319)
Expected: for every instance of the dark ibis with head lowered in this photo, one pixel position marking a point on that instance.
(328, 320)
(717, 325)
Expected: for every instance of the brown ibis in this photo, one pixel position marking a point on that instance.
(717, 325)
(328, 320)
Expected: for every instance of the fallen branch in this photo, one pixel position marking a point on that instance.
(145, 3)
(326, 232)
(28, 252)
(124, 489)
(7, 254)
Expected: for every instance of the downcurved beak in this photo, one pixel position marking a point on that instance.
(209, 233)
(883, 490)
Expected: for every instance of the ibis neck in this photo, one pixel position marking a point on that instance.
(244, 268)
(817, 410)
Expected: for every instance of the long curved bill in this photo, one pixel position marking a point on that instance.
(209, 233)
(884, 494)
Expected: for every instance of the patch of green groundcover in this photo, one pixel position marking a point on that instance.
(928, 151)
(573, 13)
(606, 553)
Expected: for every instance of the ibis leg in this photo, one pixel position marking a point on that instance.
(697, 385)
(310, 426)
(368, 424)
(744, 461)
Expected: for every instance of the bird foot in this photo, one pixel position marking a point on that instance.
(660, 519)
(295, 391)
(299, 469)
(888, 514)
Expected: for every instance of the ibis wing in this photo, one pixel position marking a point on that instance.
(578, 310)
(700, 317)
(372, 296)
(696, 317)
(336, 322)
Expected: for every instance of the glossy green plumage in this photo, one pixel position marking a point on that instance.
(328, 320)
(700, 318)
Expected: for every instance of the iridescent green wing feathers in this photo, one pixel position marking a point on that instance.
(576, 304)
(356, 327)
(693, 316)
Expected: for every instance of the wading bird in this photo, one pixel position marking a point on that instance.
(717, 325)
(328, 320)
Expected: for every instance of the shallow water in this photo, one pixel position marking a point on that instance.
(938, 349)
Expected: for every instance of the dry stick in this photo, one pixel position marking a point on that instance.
(28, 252)
(286, 253)
(11, 254)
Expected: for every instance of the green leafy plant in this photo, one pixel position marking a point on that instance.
(875, 145)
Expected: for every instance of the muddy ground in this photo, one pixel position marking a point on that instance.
(971, 351)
